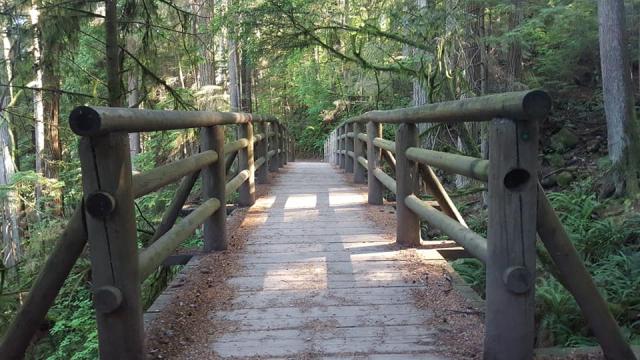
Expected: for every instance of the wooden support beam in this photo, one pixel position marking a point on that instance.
(440, 194)
(390, 159)
(111, 228)
(173, 210)
(45, 288)
(375, 191)
(576, 278)
(408, 222)
(153, 256)
(213, 187)
(475, 244)
(511, 262)
(247, 196)
(359, 171)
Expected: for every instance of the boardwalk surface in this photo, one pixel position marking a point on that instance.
(318, 279)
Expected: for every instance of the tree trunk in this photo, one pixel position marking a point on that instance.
(206, 67)
(234, 83)
(10, 246)
(51, 50)
(113, 53)
(133, 99)
(622, 131)
(38, 103)
(246, 74)
(514, 61)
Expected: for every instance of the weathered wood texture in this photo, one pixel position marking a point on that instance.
(300, 292)
(373, 160)
(349, 161)
(359, 171)
(511, 262)
(575, 277)
(273, 146)
(29, 318)
(262, 149)
(407, 222)
(247, 190)
(173, 210)
(213, 186)
(106, 167)
(440, 194)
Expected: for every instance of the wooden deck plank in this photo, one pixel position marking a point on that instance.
(319, 279)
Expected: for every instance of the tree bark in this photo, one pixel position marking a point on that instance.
(622, 130)
(246, 75)
(113, 53)
(514, 61)
(38, 102)
(51, 105)
(10, 246)
(234, 81)
(133, 99)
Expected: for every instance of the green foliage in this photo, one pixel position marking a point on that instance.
(609, 248)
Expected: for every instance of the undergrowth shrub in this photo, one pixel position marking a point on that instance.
(609, 249)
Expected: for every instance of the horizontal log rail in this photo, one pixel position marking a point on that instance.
(93, 121)
(154, 179)
(108, 212)
(522, 105)
(475, 244)
(386, 180)
(152, 257)
(385, 144)
(514, 221)
(471, 167)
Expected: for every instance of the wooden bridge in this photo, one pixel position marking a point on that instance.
(318, 277)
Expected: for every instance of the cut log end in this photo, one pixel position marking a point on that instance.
(536, 104)
(85, 121)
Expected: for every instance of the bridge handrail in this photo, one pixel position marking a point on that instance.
(518, 211)
(106, 218)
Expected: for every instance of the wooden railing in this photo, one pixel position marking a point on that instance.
(519, 210)
(106, 218)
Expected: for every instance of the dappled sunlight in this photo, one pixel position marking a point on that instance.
(265, 202)
(308, 274)
(346, 198)
(301, 201)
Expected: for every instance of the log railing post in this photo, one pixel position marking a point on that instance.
(336, 146)
(358, 150)
(511, 263)
(292, 147)
(246, 160)
(340, 147)
(273, 146)
(280, 147)
(348, 167)
(408, 222)
(373, 159)
(213, 186)
(111, 229)
(262, 174)
(285, 144)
